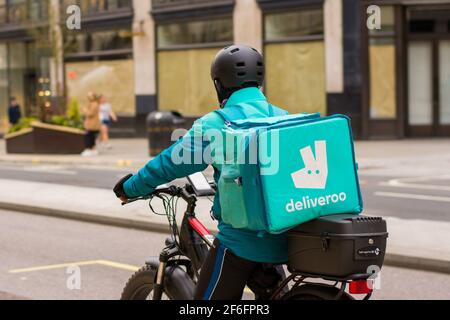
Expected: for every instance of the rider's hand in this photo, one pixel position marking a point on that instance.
(118, 189)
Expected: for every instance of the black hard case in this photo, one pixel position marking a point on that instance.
(338, 245)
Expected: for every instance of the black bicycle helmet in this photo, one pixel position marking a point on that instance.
(236, 67)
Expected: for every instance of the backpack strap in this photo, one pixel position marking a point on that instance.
(275, 111)
(230, 114)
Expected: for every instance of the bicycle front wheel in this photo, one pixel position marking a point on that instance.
(140, 285)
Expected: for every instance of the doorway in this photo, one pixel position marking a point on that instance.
(428, 76)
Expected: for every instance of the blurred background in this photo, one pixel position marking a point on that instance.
(155, 55)
(386, 64)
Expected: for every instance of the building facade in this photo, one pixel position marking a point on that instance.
(386, 64)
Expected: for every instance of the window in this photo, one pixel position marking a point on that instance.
(3, 11)
(97, 6)
(3, 83)
(295, 50)
(80, 42)
(297, 24)
(19, 11)
(205, 32)
(382, 67)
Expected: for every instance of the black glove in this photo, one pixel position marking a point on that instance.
(118, 188)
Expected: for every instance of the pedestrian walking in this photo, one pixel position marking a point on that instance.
(106, 116)
(92, 124)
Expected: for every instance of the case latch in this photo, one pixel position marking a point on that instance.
(325, 241)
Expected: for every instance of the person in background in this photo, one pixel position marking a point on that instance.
(106, 116)
(14, 113)
(92, 124)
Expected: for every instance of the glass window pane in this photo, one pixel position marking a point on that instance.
(110, 40)
(17, 11)
(3, 11)
(303, 64)
(293, 24)
(387, 20)
(420, 83)
(81, 42)
(3, 87)
(186, 72)
(17, 65)
(104, 77)
(421, 26)
(195, 32)
(382, 78)
(444, 81)
(37, 10)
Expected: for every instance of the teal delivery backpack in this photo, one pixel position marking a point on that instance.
(281, 171)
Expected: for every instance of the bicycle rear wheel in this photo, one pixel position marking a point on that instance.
(316, 292)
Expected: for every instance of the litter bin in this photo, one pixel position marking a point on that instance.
(160, 125)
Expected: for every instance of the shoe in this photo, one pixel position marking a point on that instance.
(94, 153)
(86, 153)
(108, 146)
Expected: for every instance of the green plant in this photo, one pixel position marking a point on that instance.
(73, 110)
(72, 118)
(23, 123)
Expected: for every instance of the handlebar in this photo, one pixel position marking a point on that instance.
(187, 193)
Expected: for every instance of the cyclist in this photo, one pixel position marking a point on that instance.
(239, 257)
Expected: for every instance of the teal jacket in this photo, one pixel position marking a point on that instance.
(250, 245)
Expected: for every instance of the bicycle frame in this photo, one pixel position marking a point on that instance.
(195, 239)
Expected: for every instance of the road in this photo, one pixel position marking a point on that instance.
(35, 252)
(407, 198)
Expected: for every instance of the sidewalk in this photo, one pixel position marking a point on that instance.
(124, 153)
(418, 244)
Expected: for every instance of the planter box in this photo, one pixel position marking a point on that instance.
(44, 138)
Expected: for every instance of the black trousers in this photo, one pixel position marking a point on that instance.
(224, 276)
(89, 139)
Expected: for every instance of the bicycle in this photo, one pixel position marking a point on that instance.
(174, 273)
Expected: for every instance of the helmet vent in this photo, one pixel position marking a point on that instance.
(234, 50)
(240, 64)
(260, 73)
(259, 64)
(241, 74)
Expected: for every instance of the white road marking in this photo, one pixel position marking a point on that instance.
(412, 196)
(409, 183)
(49, 169)
(108, 263)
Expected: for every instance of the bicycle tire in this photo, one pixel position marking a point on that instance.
(316, 292)
(140, 284)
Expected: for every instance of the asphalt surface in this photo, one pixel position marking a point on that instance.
(40, 249)
(424, 198)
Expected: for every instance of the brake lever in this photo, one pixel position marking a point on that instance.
(134, 200)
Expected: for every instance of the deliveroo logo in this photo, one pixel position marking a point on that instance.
(314, 174)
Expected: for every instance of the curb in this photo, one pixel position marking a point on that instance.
(394, 260)
(417, 263)
(117, 163)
